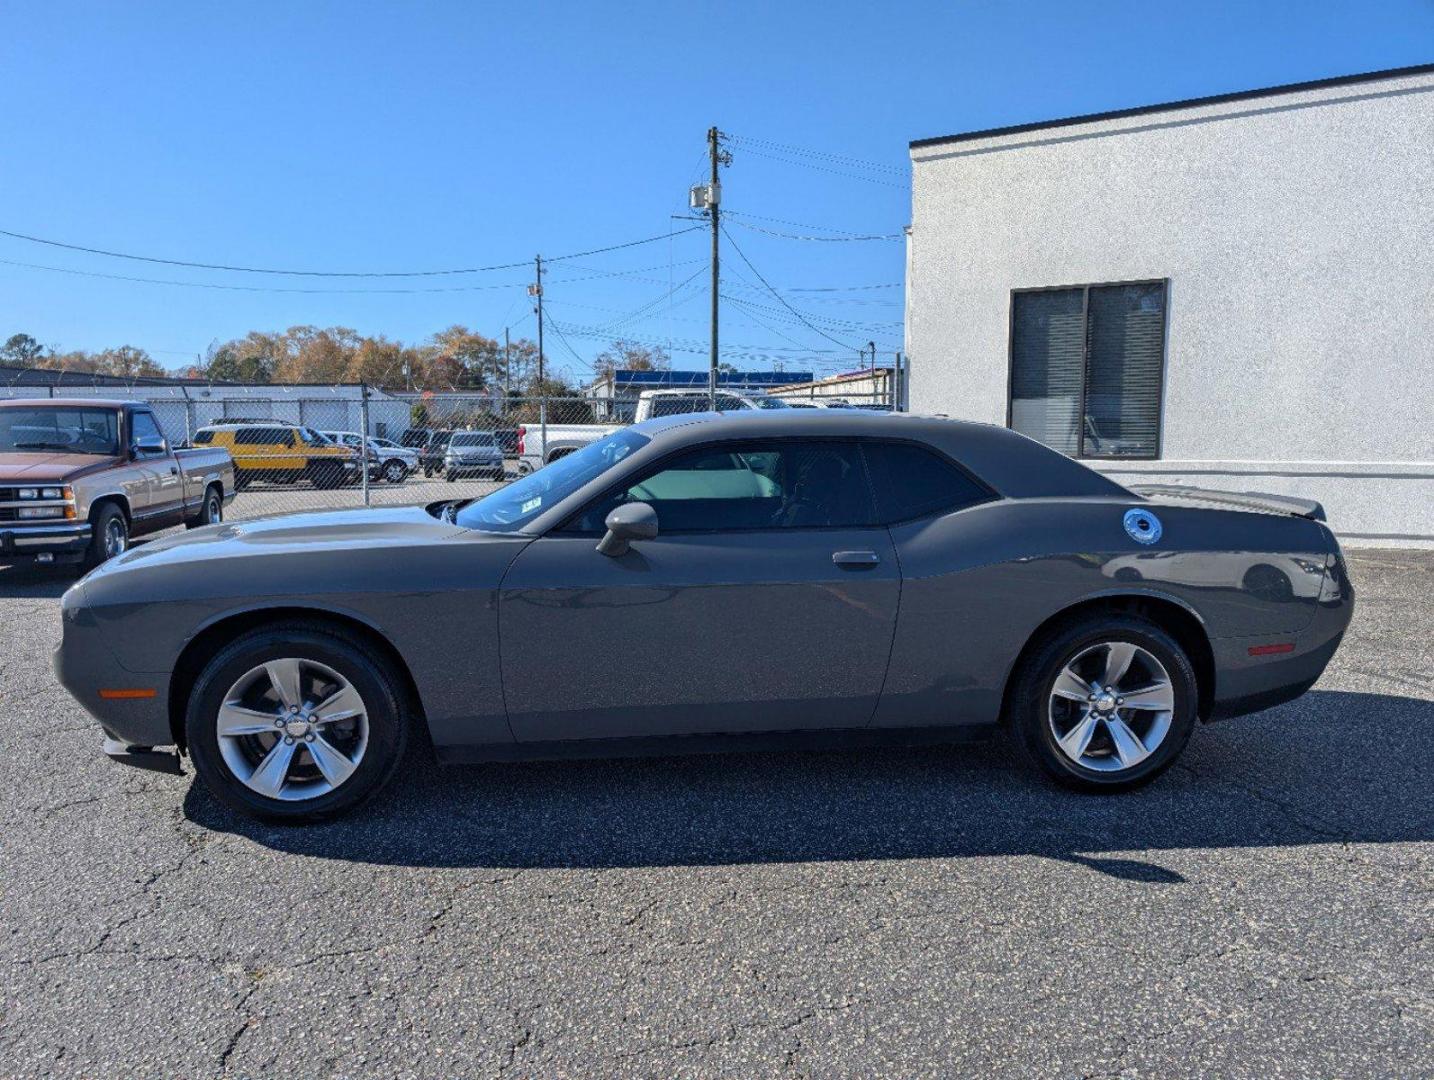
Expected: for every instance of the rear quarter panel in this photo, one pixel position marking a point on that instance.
(977, 584)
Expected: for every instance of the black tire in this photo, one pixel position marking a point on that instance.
(428, 472)
(106, 524)
(241, 479)
(326, 476)
(211, 511)
(451, 476)
(373, 678)
(395, 471)
(1029, 708)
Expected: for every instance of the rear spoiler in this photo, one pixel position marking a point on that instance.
(1236, 500)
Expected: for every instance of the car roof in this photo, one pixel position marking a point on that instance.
(1016, 466)
(99, 403)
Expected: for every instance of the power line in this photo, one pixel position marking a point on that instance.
(333, 273)
(826, 169)
(819, 239)
(842, 159)
(780, 298)
(794, 224)
(260, 288)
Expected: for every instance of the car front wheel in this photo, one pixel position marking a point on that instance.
(295, 722)
(394, 471)
(1105, 703)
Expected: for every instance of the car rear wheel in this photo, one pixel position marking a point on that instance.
(394, 471)
(295, 722)
(1105, 703)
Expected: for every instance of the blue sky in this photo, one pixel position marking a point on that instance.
(382, 137)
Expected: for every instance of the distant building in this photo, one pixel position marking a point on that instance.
(1231, 292)
(868, 386)
(614, 398)
(184, 405)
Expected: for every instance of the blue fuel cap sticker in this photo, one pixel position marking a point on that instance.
(1143, 526)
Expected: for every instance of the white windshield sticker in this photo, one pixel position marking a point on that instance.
(531, 505)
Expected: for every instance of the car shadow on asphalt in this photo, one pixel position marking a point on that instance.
(1331, 767)
(18, 580)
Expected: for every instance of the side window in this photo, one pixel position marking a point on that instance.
(912, 482)
(280, 436)
(142, 426)
(791, 485)
(673, 406)
(203, 438)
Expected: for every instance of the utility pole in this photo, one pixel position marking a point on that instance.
(712, 202)
(536, 289)
(872, 346)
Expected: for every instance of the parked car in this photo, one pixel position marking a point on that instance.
(507, 441)
(281, 454)
(432, 451)
(473, 453)
(387, 460)
(849, 577)
(534, 451)
(80, 477)
(817, 403)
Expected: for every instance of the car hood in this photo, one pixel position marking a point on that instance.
(321, 531)
(49, 466)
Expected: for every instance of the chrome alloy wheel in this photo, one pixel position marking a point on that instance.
(1111, 706)
(116, 539)
(292, 729)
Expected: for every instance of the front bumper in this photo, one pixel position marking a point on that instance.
(132, 708)
(58, 542)
(474, 465)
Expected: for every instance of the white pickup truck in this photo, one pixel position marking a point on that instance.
(562, 439)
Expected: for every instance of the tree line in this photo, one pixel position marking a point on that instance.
(453, 359)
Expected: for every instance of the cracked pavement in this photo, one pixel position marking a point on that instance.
(1264, 910)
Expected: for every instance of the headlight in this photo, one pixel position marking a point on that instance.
(40, 512)
(28, 493)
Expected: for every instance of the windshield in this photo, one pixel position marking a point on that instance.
(71, 429)
(510, 508)
(313, 438)
(763, 402)
(473, 438)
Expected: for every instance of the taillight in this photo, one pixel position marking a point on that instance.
(522, 437)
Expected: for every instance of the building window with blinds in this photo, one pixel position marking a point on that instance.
(1086, 368)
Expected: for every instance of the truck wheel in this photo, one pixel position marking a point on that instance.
(394, 471)
(211, 513)
(451, 476)
(296, 722)
(109, 536)
(326, 476)
(241, 479)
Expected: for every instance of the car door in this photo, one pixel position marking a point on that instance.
(158, 497)
(766, 602)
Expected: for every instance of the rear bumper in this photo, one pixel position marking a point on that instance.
(59, 542)
(1248, 681)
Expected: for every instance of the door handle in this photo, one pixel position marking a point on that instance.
(855, 559)
(173, 471)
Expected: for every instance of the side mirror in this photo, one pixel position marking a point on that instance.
(629, 522)
(149, 444)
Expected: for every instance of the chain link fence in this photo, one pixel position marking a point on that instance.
(299, 448)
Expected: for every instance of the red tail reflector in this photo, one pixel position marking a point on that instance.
(120, 695)
(522, 438)
(1270, 650)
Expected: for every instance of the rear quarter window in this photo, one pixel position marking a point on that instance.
(203, 438)
(912, 482)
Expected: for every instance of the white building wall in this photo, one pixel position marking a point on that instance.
(1297, 234)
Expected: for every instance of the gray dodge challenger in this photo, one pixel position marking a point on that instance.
(711, 582)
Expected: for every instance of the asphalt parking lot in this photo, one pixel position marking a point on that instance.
(1264, 910)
